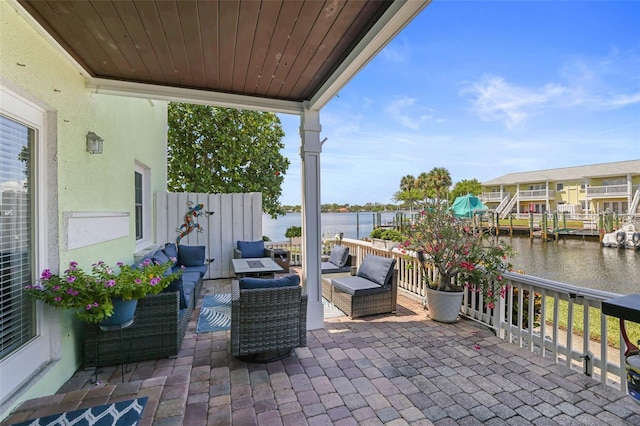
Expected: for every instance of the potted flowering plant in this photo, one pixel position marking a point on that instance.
(92, 295)
(462, 257)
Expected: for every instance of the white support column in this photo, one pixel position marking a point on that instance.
(310, 150)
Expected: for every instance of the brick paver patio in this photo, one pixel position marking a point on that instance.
(401, 369)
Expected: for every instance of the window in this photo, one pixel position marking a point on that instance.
(25, 337)
(16, 244)
(559, 186)
(139, 216)
(142, 204)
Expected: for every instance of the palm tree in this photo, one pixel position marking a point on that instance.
(422, 183)
(407, 183)
(439, 180)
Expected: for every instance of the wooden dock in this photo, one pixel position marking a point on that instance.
(537, 233)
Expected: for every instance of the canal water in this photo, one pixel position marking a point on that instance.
(571, 261)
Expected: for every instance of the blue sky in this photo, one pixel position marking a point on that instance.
(482, 88)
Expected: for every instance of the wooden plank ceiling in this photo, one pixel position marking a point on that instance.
(275, 49)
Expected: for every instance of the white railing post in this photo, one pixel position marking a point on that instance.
(499, 313)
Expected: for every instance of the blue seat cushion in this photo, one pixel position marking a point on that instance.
(253, 283)
(185, 284)
(357, 286)
(378, 269)
(191, 255)
(339, 255)
(251, 249)
(189, 279)
(200, 269)
(177, 285)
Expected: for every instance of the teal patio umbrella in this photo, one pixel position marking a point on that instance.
(467, 205)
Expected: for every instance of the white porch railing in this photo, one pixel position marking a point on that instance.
(536, 194)
(607, 191)
(517, 317)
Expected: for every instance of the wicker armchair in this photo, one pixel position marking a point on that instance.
(358, 296)
(267, 323)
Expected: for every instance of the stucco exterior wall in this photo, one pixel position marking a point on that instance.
(133, 130)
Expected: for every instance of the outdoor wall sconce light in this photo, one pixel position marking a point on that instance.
(94, 143)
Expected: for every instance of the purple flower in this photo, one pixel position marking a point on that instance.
(138, 280)
(110, 283)
(120, 264)
(89, 306)
(58, 299)
(56, 287)
(72, 292)
(73, 265)
(146, 262)
(46, 274)
(71, 279)
(154, 281)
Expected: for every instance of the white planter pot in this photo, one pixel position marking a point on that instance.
(296, 241)
(379, 244)
(444, 306)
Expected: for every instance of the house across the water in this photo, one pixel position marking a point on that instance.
(589, 189)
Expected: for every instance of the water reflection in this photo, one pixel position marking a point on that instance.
(577, 262)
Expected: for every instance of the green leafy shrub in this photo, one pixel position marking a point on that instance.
(293, 231)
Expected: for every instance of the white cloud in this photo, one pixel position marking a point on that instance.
(496, 99)
(397, 51)
(590, 83)
(406, 113)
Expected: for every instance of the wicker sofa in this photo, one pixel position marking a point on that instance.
(161, 320)
(268, 318)
(372, 290)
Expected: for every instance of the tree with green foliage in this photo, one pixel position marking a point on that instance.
(226, 150)
(438, 183)
(408, 193)
(464, 187)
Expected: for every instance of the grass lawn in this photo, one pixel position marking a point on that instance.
(613, 324)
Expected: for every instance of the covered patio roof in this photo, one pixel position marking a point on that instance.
(270, 55)
(277, 55)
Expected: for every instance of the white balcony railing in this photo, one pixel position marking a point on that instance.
(518, 318)
(535, 194)
(607, 191)
(491, 197)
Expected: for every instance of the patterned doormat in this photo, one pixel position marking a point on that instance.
(123, 413)
(215, 314)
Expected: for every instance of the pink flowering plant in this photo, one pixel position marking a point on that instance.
(90, 294)
(463, 257)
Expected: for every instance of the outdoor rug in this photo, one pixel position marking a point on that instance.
(123, 413)
(330, 311)
(215, 313)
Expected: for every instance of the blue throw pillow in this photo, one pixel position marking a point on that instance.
(377, 269)
(160, 257)
(286, 281)
(339, 255)
(171, 250)
(251, 249)
(191, 255)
